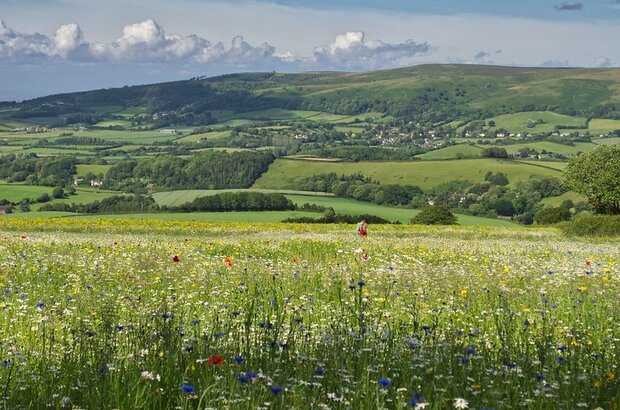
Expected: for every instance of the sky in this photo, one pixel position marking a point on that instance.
(55, 46)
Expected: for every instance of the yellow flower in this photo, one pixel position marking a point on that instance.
(464, 293)
(610, 376)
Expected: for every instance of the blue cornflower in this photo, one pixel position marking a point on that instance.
(511, 365)
(470, 351)
(239, 359)
(361, 283)
(189, 349)
(539, 376)
(165, 316)
(464, 360)
(319, 371)
(6, 363)
(385, 382)
(276, 390)
(120, 327)
(562, 360)
(243, 379)
(188, 388)
(220, 334)
(40, 305)
(251, 375)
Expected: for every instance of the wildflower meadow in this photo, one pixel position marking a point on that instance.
(147, 314)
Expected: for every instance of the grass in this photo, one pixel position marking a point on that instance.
(556, 201)
(601, 126)
(286, 173)
(340, 206)
(117, 313)
(552, 147)
(452, 152)
(17, 192)
(253, 217)
(607, 141)
(518, 122)
(403, 215)
(211, 136)
(83, 169)
(174, 198)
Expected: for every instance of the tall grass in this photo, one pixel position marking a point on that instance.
(230, 316)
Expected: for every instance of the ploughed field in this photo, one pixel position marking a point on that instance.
(154, 314)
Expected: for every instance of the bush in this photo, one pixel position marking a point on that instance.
(549, 216)
(435, 215)
(593, 225)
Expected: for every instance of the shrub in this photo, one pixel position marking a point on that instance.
(593, 225)
(435, 215)
(549, 216)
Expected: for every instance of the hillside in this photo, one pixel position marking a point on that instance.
(425, 93)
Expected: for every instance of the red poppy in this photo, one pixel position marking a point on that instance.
(588, 263)
(216, 360)
(295, 260)
(228, 262)
(23, 236)
(175, 258)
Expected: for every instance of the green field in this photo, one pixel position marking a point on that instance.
(403, 215)
(552, 147)
(175, 198)
(211, 136)
(452, 152)
(601, 126)
(118, 314)
(556, 201)
(340, 206)
(83, 169)
(17, 192)
(286, 173)
(607, 141)
(518, 122)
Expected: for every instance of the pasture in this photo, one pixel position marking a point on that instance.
(519, 122)
(340, 205)
(286, 173)
(120, 313)
(453, 152)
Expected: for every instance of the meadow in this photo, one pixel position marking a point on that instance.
(152, 314)
(286, 173)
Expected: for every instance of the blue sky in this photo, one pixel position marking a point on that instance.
(51, 46)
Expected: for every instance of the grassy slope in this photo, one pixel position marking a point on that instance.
(453, 152)
(340, 205)
(286, 173)
(518, 122)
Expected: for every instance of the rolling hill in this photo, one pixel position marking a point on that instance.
(425, 93)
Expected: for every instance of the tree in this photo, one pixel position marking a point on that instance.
(494, 152)
(58, 192)
(435, 215)
(596, 175)
(548, 216)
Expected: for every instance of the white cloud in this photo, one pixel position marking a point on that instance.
(601, 62)
(352, 51)
(147, 42)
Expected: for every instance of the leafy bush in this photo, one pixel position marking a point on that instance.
(435, 215)
(593, 225)
(549, 216)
